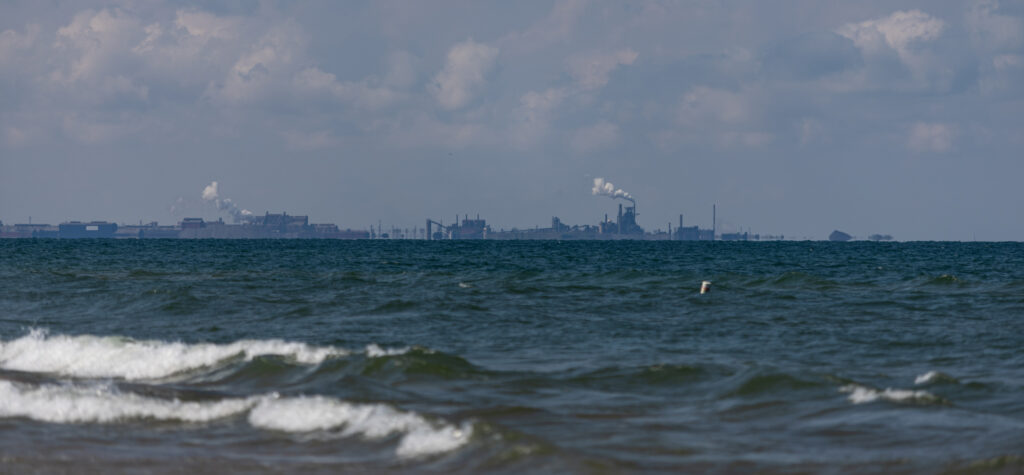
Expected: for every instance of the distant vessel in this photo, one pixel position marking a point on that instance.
(839, 236)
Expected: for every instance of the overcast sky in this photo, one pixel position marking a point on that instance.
(795, 117)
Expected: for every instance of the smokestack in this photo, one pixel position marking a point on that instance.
(680, 221)
(620, 218)
(429, 235)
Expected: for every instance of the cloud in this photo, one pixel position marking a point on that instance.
(593, 138)
(463, 74)
(264, 69)
(930, 137)
(992, 31)
(898, 31)
(207, 25)
(557, 26)
(98, 42)
(532, 117)
(360, 94)
(899, 53)
(716, 117)
(591, 71)
(12, 42)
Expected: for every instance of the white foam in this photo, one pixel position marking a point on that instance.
(65, 404)
(375, 351)
(105, 404)
(861, 394)
(93, 356)
(304, 414)
(927, 377)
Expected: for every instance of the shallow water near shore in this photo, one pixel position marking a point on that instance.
(511, 356)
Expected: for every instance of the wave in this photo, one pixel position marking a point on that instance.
(91, 356)
(861, 394)
(104, 403)
(934, 377)
(107, 404)
(374, 421)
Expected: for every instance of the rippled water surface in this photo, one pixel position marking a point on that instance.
(166, 356)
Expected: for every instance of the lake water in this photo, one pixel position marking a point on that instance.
(166, 356)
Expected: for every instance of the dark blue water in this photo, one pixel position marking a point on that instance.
(511, 356)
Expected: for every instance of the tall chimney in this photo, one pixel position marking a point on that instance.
(620, 218)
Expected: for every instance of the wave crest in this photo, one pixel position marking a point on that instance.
(90, 356)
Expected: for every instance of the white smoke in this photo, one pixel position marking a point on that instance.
(211, 194)
(605, 188)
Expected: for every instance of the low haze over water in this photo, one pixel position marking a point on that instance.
(511, 356)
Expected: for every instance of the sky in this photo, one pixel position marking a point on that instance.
(794, 117)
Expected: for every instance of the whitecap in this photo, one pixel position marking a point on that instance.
(860, 394)
(374, 421)
(375, 351)
(927, 377)
(104, 403)
(118, 357)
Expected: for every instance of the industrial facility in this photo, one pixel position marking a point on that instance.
(247, 225)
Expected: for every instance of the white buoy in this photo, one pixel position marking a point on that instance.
(705, 287)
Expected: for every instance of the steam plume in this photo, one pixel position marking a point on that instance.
(605, 188)
(211, 194)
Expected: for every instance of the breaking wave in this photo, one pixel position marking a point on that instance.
(860, 395)
(119, 357)
(934, 377)
(106, 404)
(374, 421)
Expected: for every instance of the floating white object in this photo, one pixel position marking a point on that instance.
(705, 287)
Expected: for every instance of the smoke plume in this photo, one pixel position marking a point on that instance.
(211, 194)
(605, 188)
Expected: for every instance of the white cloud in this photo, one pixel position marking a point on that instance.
(12, 42)
(531, 119)
(99, 40)
(591, 71)
(557, 26)
(992, 31)
(265, 68)
(902, 32)
(897, 31)
(207, 25)
(593, 138)
(717, 117)
(463, 74)
(360, 94)
(930, 137)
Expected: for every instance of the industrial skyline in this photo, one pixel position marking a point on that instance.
(795, 117)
